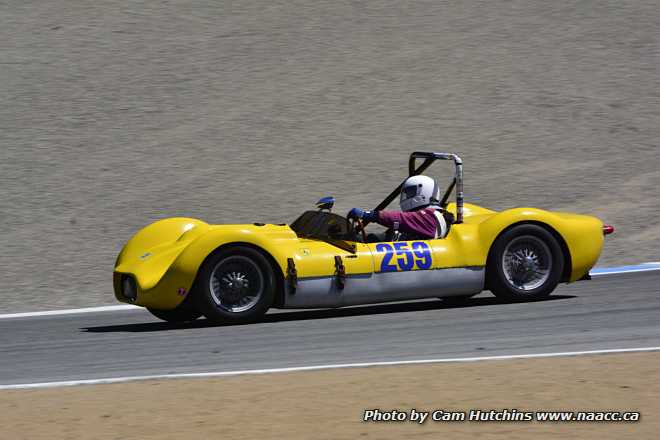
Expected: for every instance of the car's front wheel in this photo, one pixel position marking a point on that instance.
(525, 262)
(235, 285)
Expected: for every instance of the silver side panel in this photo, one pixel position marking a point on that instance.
(386, 286)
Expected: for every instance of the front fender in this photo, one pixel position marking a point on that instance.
(276, 240)
(149, 255)
(183, 260)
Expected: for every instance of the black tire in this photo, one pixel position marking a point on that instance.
(509, 282)
(257, 274)
(177, 315)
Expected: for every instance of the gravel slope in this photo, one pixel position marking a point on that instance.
(116, 114)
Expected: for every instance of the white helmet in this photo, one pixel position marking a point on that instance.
(418, 192)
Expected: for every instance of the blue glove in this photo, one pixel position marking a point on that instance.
(355, 213)
(369, 216)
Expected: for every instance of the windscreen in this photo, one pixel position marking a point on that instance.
(322, 225)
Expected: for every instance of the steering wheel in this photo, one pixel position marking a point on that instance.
(358, 226)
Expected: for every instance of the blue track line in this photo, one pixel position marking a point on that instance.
(644, 267)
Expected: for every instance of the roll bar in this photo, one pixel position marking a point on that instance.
(429, 158)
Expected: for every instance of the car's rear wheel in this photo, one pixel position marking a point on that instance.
(235, 284)
(525, 262)
(175, 315)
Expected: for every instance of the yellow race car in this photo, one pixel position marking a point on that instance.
(182, 268)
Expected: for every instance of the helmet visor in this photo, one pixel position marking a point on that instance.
(410, 191)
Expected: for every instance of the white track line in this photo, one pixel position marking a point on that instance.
(70, 311)
(111, 380)
(596, 272)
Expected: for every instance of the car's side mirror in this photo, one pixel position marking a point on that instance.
(326, 203)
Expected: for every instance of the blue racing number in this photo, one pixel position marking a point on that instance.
(423, 254)
(385, 265)
(407, 259)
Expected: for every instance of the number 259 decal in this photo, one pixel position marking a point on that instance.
(406, 258)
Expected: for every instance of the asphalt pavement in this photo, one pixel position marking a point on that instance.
(609, 312)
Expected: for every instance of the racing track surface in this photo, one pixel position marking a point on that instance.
(605, 313)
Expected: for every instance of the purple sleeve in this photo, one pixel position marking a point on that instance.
(422, 222)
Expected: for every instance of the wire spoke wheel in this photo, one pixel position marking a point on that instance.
(236, 284)
(527, 262)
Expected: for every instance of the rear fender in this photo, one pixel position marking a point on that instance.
(581, 234)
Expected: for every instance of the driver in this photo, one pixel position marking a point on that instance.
(421, 216)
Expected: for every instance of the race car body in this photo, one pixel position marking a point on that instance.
(180, 268)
